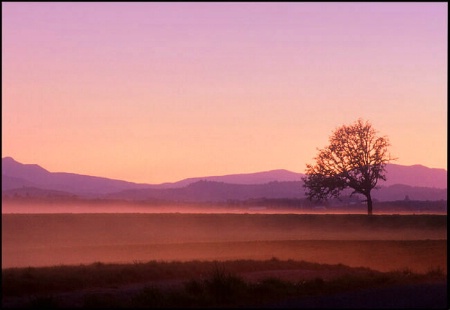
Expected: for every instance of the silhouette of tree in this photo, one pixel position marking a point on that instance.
(355, 158)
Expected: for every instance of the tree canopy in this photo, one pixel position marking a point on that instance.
(355, 158)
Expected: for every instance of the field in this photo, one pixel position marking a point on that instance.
(385, 244)
(416, 242)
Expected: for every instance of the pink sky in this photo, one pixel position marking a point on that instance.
(158, 92)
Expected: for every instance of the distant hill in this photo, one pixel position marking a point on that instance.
(415, 175)
(417, 182)
(36, 193)
(9, 183)
(402, 192)
(279, 175)
(210, 191)
(15, 174)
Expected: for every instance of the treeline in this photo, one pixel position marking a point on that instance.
(344, 204)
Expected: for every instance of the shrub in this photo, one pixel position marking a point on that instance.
(272, 287)
(224, 286)
(436, 272)
(150, 296)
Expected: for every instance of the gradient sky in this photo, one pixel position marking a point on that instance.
(159, 92)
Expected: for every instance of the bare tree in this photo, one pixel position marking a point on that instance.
(356, 159)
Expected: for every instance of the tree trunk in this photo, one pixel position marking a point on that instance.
(369, 204)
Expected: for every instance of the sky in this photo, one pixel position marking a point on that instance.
(154, 92)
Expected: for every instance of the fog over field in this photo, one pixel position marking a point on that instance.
(382, 242)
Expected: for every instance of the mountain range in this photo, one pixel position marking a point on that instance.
(417, 182)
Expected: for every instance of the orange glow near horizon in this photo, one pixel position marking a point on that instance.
(159, 92)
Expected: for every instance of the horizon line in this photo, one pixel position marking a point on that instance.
(194, 177)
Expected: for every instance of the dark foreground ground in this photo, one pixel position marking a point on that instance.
(232, 284)
(409, 296)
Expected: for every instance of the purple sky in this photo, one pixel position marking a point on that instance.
(158, 92)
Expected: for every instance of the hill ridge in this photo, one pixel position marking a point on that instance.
(16, 175)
